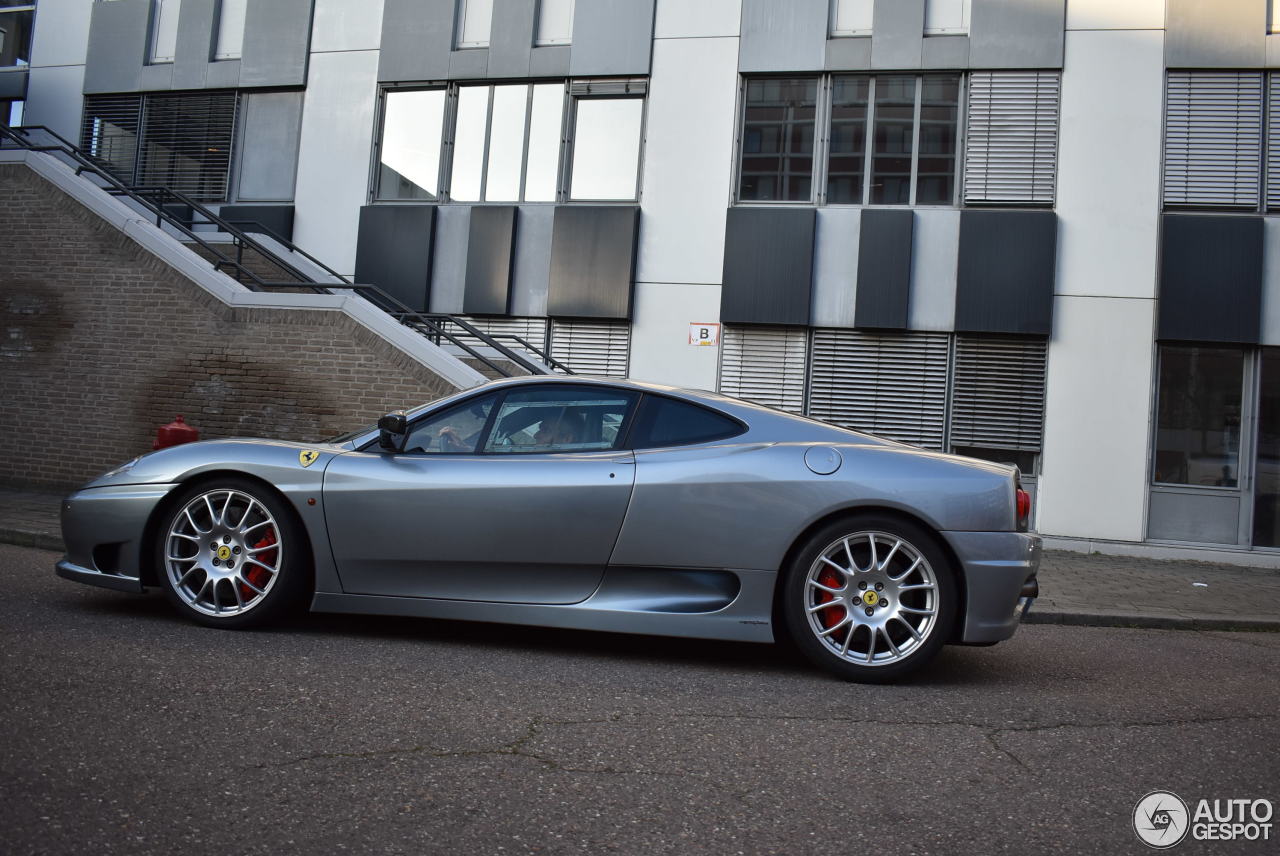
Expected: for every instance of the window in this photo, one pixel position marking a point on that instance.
(457, 431)
(946, 17)
(506, 142)
(16, 20)
(851, 17)
(668, 422)
(889, 140)
(766, 365)
(1011, 137)
(560, 419)
(474, 20)
(13, 113)
(164, 29)
(230, 29)
(555, 22)
(1198, 416)
(592, 347)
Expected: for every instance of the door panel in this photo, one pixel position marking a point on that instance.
(530, 528)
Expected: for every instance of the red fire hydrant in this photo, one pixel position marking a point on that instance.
(175, 433)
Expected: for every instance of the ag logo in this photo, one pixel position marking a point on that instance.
(1161, 819)
(307, 457)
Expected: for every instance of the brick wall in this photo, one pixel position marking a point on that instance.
(101, 343)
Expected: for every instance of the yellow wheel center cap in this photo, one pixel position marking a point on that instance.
(224, 552)
(870, 598)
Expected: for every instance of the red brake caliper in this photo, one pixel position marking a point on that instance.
(829, 617)
(256, 574)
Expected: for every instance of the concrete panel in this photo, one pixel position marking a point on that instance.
(687, 176)
(1016, 33)
(835, 266)
(1110, 250)
(469, 64)
(1004, 277)
(1110, 15)
(1273, 51)
(511, 38)
(223, 74)
(1271, 281)
(117, 45)
(489, 253)
(54, 99)
(270, 123)
(156, 77)
(531, 271)
(277, 37)
(337, 134)
(768, 266)
(1211, 278)
(680, 19)
(394, 251)
(852, 53)
(660, 349)
(611, 37)
(897, 31)
(13, 85)
(784, 36)
(934, 260)
(449, 268)
(884, 268)
(593, 261)
(950, 52)
(61, 35)
(550, 61)
(1093, 480)
(1204, 519)
(417, 36)
(341, 25)
(195, 43)
(1215, 33)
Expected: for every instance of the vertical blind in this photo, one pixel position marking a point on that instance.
(1213, 138)
(998, 397)
(1273, 142)
(765, 364)
(592, 347)
(1011, 147)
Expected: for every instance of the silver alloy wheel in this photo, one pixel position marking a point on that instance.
(223, 552)
(871, 598)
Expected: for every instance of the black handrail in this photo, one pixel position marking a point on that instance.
(155, 199)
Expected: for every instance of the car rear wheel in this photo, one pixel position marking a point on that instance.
(870, 598)
(231, 554)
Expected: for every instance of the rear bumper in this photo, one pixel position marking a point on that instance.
(103, 530)
(999, 578)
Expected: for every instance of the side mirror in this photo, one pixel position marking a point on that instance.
(393, 431)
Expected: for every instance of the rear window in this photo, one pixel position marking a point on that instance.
(668, 422)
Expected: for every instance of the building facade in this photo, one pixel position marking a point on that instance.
(1032, 231)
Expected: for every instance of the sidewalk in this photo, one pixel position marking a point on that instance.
(1075, 588)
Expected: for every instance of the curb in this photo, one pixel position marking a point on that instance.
(1152, 622)
(37, 540)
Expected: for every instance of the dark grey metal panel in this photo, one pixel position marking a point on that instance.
(884, 269)
(789, 36)
(593, 257)
(156, 77)
(417, 36)
(223, 74)
(278, 219)
(393, 250)
(945, 52)
(1211, 278)
(195, 43)
(469, 64)
(13, 84)
(768, 266)
(1215, 33)
(1017, 33)
(611, 37)
(511, 38)
(118, 34)
(1005, 275)
(851, 53)
(277, 39)
(489, 251)
(550, 61)
(1194, 517)
(897, 31)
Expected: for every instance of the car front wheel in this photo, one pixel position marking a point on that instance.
(870, 598)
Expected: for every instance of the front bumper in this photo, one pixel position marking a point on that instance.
(103, 530)
(999, 573)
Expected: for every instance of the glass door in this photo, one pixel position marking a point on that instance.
(1266, 484)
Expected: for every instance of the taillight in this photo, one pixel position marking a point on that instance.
(1024, 509)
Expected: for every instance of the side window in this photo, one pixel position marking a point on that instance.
(454, 432)
(560, 419)
(668, 422)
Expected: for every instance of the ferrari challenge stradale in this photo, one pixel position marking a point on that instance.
(595, 504)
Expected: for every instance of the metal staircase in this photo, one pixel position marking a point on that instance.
(231, 248)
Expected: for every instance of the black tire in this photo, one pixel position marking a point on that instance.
(262, 575)
(897, 635)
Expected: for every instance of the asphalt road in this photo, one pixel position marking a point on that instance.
(124, 729)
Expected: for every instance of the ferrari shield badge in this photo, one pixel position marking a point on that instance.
(307, 457)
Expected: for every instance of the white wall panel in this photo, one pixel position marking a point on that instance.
(1109, 179)
(1097, 421)
(333, 176)
(54, 99)
(687, 160)
(1115, 14)
(346, 25)
(660, 349)
(682, 19)
(61, 35)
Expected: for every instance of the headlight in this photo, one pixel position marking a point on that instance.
(123, 468)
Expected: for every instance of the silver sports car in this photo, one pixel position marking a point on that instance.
(583, 503)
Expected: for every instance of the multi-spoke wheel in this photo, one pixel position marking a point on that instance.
(870, 598)
(229, 554)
